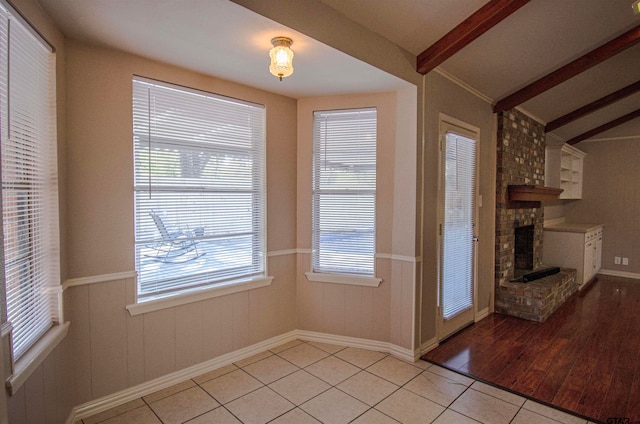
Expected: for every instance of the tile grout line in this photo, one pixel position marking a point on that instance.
(151, 409)
(333, 386)
(369, 407)
(285, 376)
(196, 384)
(304, 370)
(234, 399)
(398, 388)
(458, 397)
(223, 405)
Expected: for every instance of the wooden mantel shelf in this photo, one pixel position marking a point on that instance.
(533, 193)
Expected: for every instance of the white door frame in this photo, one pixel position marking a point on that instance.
(449, 124)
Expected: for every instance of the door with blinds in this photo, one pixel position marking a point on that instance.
(457, 265)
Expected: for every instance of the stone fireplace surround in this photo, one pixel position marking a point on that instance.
(520, 160)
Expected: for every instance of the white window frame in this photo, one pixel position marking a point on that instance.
(344, 130)
(30, 248)
(200, 284)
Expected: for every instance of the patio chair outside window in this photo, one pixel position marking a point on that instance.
(175, 244)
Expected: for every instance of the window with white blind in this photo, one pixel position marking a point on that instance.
(344, 192)
(29, 182)
(199, 189)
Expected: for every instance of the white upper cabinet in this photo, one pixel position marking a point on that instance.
(564, 169)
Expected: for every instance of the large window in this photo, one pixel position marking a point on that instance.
(344, 191)
(29, 182)
(199, 189)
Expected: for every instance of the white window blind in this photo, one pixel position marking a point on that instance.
(199, 189)
(344, 191)
(456, 266)
(29, 181)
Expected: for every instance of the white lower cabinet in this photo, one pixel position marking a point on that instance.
(577, 246)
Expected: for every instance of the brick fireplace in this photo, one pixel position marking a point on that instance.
(520, 160)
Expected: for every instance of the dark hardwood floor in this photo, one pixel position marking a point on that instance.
(585, 358)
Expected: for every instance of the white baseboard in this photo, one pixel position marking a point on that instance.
(480, 315)
(313, 336)
(429, 345)
(386, 347)
(623, 274)
(115, 399)
(404, 353)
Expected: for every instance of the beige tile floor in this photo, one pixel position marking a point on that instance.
(306, 382)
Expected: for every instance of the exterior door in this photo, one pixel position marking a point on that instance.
(457, 265)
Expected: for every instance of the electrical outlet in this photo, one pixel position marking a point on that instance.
(625, 261)
(616, 260)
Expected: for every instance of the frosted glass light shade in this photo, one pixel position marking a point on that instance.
(281, 57)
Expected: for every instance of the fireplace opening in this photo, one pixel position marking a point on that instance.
(524, 269)
(524, 242)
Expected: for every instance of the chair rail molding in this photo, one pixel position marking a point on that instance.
(82, 281)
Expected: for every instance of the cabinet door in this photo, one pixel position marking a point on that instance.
(599, 252)
(589, 257)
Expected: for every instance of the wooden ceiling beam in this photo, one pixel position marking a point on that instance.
(468, 30)
(616, 122)
(570, 70)
(593, 106)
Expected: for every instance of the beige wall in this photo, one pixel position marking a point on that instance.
(611, 196)
(384, 313)
(100, 158)
(115, 350)
(554, 210)
(443, 96)
(108, 350)
(47, 396)
(316, 19)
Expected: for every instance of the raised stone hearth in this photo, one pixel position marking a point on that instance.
(538, 299)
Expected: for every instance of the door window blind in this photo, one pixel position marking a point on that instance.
(344, 191)
(29, 181)
(457, 271)
(199, 188)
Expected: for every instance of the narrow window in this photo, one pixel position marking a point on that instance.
(344, 191)
(29, 182)
(199, 189)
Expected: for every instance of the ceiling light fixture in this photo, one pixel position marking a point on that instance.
(281, 57)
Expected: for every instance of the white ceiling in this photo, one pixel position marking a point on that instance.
(215, 37)
(221, 38)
